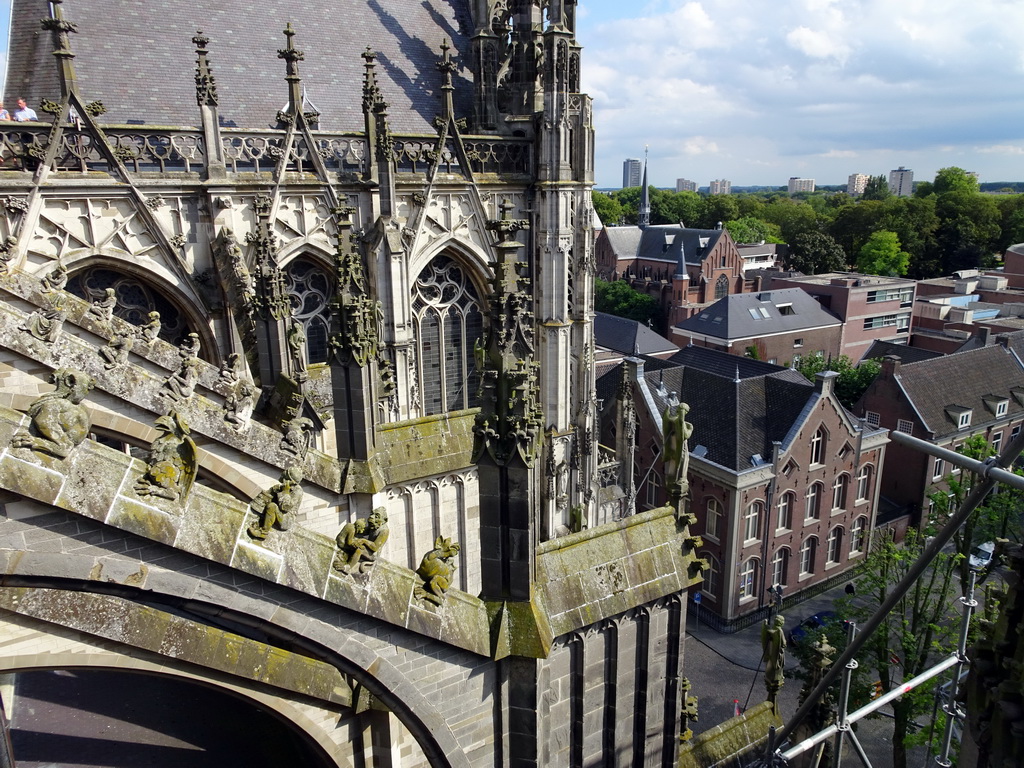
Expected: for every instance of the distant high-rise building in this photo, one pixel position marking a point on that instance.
(797, 184)
(721, 187)
(685, 185)
(631, 169)
(901, 182)
(856, 183)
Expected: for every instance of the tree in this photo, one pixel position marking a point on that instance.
(608, 208)
(876, 188)
(881, 255)
(920, 629)
(718, 208)
(676, 207)
(793, 217)
(751, 230)
(617, 298)
(813, 253)
(954, 179)
(968, 230)
(852, 380)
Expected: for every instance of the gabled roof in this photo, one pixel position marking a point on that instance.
(735, 419)
(750, 315)
(664, 242)
(628, 336)
(139, 59)
(904, 352)
(624, 241)
(963, 380)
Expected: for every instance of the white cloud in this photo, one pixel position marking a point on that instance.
(823, 83)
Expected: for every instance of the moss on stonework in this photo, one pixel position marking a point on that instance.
(519, 629)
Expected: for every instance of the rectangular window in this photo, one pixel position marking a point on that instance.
(938, 469)
(798, 342)
(902, 295)
(964, 421)
(1001, 408)
(872, 419)
(997, 441)
(748, 572)
(905, 426)
(900, 322)
(1014, 432)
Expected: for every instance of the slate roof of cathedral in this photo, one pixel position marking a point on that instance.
(732, 317)
(963, 380)
(139, 59)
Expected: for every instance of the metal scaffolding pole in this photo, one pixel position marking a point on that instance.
(988, 472)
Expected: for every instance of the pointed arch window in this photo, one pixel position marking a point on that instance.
(448, 323)
(135, 300)
(721, 287)
(310, 289)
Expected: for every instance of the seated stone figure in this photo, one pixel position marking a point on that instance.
(360, 541)
(172, 465)
(437, 569)
(275, 506)
(59, 420)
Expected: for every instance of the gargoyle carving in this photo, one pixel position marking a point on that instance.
(437, 569)
(274, 506)
(360, 541)
(172, 461)
(59, 420)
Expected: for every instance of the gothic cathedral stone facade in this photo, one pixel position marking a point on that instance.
(322, 429)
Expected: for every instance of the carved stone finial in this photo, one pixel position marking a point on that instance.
(360, 541)
(172, 464)
(275, 506)
(437, 569)
(59, 420)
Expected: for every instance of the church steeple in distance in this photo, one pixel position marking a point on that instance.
(644, 217)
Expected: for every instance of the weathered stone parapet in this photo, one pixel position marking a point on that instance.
(589, 576)
(98, 482)
(733, 743)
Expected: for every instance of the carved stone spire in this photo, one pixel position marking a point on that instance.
(509, 421)
(446, 66)
(60, 27)
(356, 339)
(292, 57)
(375, 110)
(206, 85)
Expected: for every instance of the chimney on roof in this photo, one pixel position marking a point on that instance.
(824, 382)
(718, 225)
(890, 366)
(983, 335)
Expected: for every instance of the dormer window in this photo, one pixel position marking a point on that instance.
(961, 416)
(998, 405)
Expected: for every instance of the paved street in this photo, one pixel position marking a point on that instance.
(721, 669)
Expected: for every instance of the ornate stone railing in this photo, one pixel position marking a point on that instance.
(169, 150)
(155, 150)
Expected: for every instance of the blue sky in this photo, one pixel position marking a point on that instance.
(756, 91)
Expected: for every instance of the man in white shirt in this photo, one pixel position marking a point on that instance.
(25, 113)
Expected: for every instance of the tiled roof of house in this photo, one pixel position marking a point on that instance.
(751, 315)
(139, 59)
(724, 364)
(974, 380)
(624, 241)
(734, 419)
(628, 336)
(663, 242)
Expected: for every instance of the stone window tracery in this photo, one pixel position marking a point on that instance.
(448, 323)
(135, 300)
(721, 287)
(310, 289)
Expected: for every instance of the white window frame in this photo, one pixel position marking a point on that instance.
(784, 512)
(807, 556)
(858, 535)
(813, 511)
(748, 580)
(834, 546)
(872, 419)
(938, 469)
(780, 565)
(840, 491)
(712, 517)
(817, 446)
(905, 425)
(752, 521)
(864, 483)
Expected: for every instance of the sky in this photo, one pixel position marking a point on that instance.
(756, 91)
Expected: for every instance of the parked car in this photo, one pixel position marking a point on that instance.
(811, 623)
(981, 556)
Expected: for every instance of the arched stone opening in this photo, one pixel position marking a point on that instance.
(137, 296)
(310, 288)
(116, 718)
